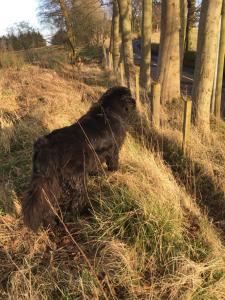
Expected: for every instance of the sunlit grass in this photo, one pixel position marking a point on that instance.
(145, 236)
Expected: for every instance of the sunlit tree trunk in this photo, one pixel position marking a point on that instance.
(206, 61)
(111, 37)
(125, 18)
(116, 36)
(219, 81)
(169, 51)
(190, 24)
(145, 75)
(183, 27)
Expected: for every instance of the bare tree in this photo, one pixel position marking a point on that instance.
(69, 25)
(86, 20)
(205, 61)
(136, 15)
(125, 18)
(169, 51)
(156, 15)
(145, 74)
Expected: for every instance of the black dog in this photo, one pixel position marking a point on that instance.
(68, 154)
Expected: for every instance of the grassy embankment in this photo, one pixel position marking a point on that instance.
(150, 234)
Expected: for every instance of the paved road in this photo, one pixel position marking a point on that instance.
(187, 76)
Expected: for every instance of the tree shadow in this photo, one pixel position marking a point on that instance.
(201, 186)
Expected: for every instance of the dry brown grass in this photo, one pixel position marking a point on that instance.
(146, 238)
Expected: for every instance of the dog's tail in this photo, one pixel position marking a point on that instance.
(39, 201)
(43, 190)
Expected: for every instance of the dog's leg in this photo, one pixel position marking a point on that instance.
(112, 160)
(95, 169)
(76, 198)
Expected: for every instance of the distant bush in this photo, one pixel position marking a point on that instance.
(59, 38)
(21, 37)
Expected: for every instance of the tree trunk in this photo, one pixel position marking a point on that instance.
(183, 25)
(145, 74)
(125, 18)
(219, 81)
(116, 36)
(69, 25)
(169, 51)
(111, 37)
(190, 24)
(205, 61)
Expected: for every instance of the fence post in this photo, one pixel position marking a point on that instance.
(104, 60)
(186, 124)
(156, 104)
(122, 73)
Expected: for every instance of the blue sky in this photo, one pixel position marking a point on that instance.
(14, 11)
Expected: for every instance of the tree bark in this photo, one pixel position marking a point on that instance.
(205, 61)
(190, 24)
(116, 36)
(125, 18)
(145, 74)
(183, 24)
(169, 51)
(111, 37)
(69, 25)
(219, 81)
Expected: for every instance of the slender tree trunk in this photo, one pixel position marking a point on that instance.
(190, 24)
(116, 36)
(219, 81)
(169, 51)
(69, 25)
(111, 37)
(145, 74)
(205, 61)
(183, 25)
(125, 18)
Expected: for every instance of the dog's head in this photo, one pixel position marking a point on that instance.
(119, 100)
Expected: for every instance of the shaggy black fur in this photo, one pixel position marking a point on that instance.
(67, 155)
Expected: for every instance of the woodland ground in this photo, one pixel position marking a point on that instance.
(156, 229)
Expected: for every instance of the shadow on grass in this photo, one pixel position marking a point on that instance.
(15, 161)
(209, 196)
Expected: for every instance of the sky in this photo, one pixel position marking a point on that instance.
(14, 11)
